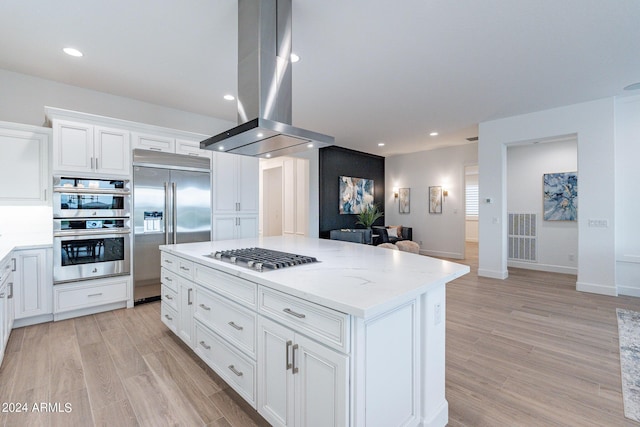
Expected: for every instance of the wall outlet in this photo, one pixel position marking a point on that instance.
(600, 223)
(572, 257)
(437, 314)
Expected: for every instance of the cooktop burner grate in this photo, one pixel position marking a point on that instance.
(260, 259)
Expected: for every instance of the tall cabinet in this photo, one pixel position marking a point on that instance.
(235, 196)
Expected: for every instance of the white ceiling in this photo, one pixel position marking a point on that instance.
(371, 70)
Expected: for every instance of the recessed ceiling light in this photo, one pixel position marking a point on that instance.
(268, 156)
(260, 135)
(72, 52)
(229, 97)
(294, 57)
(309, 145)
(380, 144)
(433, 134)
(220, 148)
(634, 86)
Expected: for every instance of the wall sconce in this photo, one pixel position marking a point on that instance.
(395, 192)
(445, 193)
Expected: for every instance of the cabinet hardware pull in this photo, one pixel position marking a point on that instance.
(97, 163)
(168, 279)
(184, 268)
(95, 295)
(233, 325)
(204, 307)
(204, 344)
(233, 369)
(92, 163)
(189, 302)
(13, 268)
(293, 313)
(168, 317)
(168, 261)
(11, 294)
(2, 295)
(155, 149)
(293, 358)
(169, 297)
(288, 365)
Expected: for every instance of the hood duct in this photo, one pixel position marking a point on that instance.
(264, 87)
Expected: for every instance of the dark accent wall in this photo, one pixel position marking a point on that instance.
(334, 163)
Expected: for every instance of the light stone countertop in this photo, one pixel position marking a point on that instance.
(356, 279)
(11, 241)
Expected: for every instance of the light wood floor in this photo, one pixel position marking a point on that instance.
(526, 351)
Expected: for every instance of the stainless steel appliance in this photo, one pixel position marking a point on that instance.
(90, 248)
(261, 259)
(91, 228)
(89, 197)
(171, 204)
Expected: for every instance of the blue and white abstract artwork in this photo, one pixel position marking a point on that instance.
(356, 194)
(560, 196)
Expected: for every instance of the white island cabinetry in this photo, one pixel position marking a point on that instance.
(356, 339)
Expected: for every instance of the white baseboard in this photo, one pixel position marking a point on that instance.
(440, 254)
(493, 274)
(440, 418)
(28, 321)
(628, 290)
(543, 267)
(89, 310)
(595, 288)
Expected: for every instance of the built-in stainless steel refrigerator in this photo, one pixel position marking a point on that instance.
(171, 204)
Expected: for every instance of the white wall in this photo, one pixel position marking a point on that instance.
(593, 123)
(627, 201)
(24, 97)
(526, 164)
(438, 234)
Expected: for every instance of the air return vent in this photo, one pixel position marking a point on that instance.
(523, 237)
(472, 139)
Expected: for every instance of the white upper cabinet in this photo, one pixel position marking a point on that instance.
(235, 183)
(24, 164)
(191, 148)
(88, 149)
(154, 142)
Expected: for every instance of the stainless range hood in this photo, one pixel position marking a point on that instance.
(264, 87)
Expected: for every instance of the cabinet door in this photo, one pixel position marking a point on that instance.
(225, 184)
(72, 147)
(321, 385)
(275, 380)
(112, 151)
(32, 283)
(185, 315)
(224, 228)
(24, 166)
(247, 187)
(153, 142)
(191, 148)
(247, 227)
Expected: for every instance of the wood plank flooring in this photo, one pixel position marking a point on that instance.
(526, 351)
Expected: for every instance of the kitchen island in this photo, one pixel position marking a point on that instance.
(355, 339)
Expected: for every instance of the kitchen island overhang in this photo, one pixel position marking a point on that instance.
(374, 318)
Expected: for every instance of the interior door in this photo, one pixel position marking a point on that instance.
(193, 206)
(149, 217)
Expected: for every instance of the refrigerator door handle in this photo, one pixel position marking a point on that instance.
(174, 212)
(166, 212)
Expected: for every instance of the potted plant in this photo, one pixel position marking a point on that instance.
(369, 215)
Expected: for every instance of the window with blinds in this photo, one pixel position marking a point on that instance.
(471, 201)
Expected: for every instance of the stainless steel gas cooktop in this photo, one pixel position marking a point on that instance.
(260, 259)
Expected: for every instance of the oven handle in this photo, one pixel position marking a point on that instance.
(75, 190)
(100, 232)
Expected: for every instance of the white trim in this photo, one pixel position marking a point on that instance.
(441, 254)
(493, 274)
(543, 267)
(628, 290)
(595, 288)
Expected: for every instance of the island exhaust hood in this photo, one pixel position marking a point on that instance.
(264, 87)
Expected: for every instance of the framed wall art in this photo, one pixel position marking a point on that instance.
(435, 200)
(560, 196)
(356, 194)
(404, 200)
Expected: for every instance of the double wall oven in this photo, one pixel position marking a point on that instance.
(91, 228)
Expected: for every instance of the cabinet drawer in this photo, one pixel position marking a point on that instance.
(328, 326)
(236, 324)
(169, 279)
(75, 296)
(169, 317)
(237, 370)
(177, 265)
(240, 290)
(169, 297)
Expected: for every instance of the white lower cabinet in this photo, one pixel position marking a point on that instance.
(185, 315)
(33, 286)
(302, 383)
(90, 296)
(6, 303)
